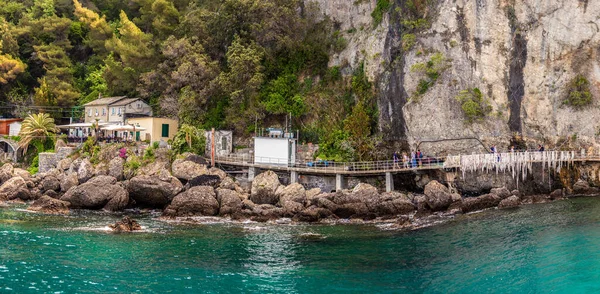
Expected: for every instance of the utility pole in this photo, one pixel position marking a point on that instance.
(212, 148)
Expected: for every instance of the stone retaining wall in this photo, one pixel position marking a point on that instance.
(48, 160)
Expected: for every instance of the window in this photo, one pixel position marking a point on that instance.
(223, 143)
(130, 106)
(113, 111)
(165, 131)
(139, 105)
(103, 111)
(90, 112)
(96, 111)
(119, 109)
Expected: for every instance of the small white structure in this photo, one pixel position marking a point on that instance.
(274, 150)
(223, 142)
(14, 128)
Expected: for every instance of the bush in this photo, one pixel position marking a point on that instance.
(189, 139)
(431, 71)
(34, 167)
(578, 93)
(408, 41)
(474, 105)
(382, 7)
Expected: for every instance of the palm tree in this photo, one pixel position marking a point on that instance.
(37, 128)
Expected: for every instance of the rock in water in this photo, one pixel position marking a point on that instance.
(478, 203)
(101, 192)
(264, 187)
(47, 204)
(127, 224)
(200, 201)
(15, 188)
(85, 171)
(154, 191)
(115, 168)
(512, 201)
(438, 196)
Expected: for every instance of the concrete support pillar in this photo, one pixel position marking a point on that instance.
(252, 171)
(389, 182)
(340, 182)
(293, 177)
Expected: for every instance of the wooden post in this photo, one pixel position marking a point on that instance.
(212, 148)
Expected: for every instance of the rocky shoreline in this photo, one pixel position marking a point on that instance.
(209, 192)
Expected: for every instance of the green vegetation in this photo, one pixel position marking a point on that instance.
(431, 71)
(382, 7)
(189, 139)
(578, 93)
(37, 130)
(475, 107)
(408, 41)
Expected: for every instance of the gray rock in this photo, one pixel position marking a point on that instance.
(6, 172)
(264, 187)
(101, 192)
(154, 191)
(47, 204)
(187, 169)
(50, 183)
(115, 168)
(69, 181)
(512, 201)
(291, 198)
(230, 202)
(556, 194)
(15, 188)
(200, 200)
(64, 164)
(438, 196)
(478, 203)
(85, 171)
(501, 192)
(312, 214)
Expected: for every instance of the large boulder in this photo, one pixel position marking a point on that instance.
(266, 212)
(64, 164)
(200, 200)
(186, 169)
(68, 182)
(47, 204)
(264, 187)
(153, 169)
(230, 201)
(15, 188)
(292, 198)
(154, 191)
(50, 183)
(583, 187)
(312, 214)
(511, 201)
(393, 203)
(478, 203)
(115, 168)
(19, 172)
(217, 172)
(438, 196)
(6, 172)
(503, 192)
(85, 171)
(101, 192)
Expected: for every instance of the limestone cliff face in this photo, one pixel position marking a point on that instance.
(520, 54)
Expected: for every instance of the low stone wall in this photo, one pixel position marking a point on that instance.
(49, 160)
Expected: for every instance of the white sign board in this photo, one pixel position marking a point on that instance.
(271, 150)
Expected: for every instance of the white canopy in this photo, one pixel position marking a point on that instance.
(129, 128)
(80, 125)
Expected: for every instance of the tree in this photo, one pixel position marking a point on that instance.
(100, 30)
(9, 67)
(357, 125)
(189, 139)
(579, 94)
(58, 77)
(474, 105)
(36, 129)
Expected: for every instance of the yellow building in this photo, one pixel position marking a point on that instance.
(156, 129)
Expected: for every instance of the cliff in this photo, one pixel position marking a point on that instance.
(521, 55)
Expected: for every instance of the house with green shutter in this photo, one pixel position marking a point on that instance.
(155, 129)
(116, 110)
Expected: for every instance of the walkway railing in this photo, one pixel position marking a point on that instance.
(515, 162)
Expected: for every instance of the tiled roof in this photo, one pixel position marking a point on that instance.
(124, 101)
(105, 101)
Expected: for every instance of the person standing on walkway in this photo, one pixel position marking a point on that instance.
(540, 148)
(405, 160)
(413, 160)
(396, 159)
(420, 157)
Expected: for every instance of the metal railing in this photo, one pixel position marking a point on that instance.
(326, 166)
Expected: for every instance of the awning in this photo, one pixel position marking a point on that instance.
(128, 128)
(77, 125)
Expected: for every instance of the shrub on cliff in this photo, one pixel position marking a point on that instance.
(578, 93)
(474, 105)
(189, 139)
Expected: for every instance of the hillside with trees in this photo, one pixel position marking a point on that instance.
(229, 64)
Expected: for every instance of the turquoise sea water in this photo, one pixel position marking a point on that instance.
(541, 248)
